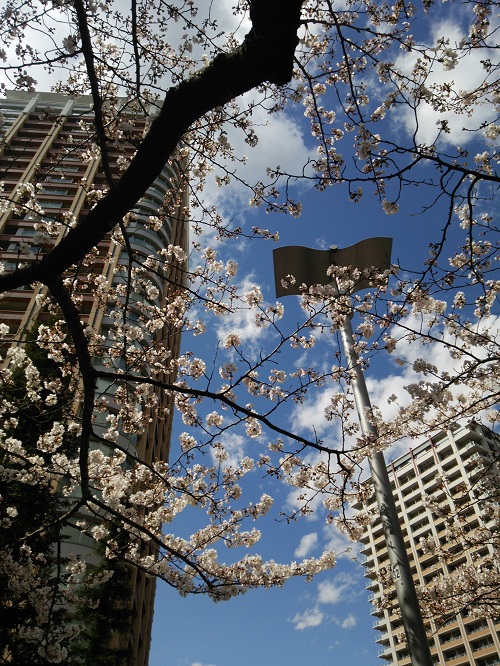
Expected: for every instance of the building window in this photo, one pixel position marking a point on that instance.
(451, 636)
(477, 626)
(494, 660)
(484, 643)
(449, 655)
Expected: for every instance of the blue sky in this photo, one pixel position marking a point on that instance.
(326, 621)
(256, 629)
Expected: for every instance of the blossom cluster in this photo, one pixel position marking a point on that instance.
(102, 376)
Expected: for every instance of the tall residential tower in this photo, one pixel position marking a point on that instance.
(47, 143)
(439, 469)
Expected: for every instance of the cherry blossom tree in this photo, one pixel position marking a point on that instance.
(377, 88)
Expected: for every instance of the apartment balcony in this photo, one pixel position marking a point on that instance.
(421, 528)
(369, 560)
(486, 650)
(446, 455)
(385, 653)
(146, 237)
(383, 639)
(442, 628)
(408, 487)
(452, 641)
(379, 622)
(431, 566)
(430, 482)
(27, 145)
(377, 612)
(379, 541)
(461, 660)
(473, 459)
(395, 615)
(494, 660)
(481, 632)
(418, 519)
(365, 549)
(470, 448)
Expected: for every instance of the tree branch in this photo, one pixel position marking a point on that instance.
(266, 54)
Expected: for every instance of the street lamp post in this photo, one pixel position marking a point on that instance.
(368, 253)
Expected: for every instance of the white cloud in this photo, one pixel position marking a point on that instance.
(198, 663)
(242, 321)
(382, 388)
(329, 593)
(338, 542)
(234, 445)
(306, 545)
(226, 20)
(310, 618)
(310, 415)
(467, 75)
(281, 144)
(349, 622)
(300, 497)
(340, 588)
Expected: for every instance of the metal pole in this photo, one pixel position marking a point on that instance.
(405, 588)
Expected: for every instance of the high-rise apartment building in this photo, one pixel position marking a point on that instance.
(46, 140)
(439, 468)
